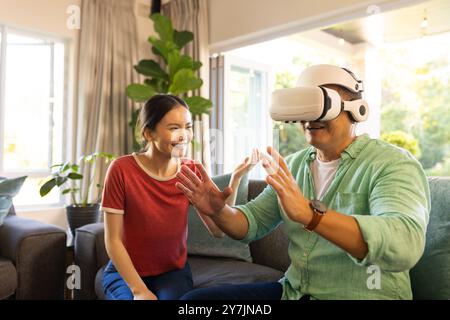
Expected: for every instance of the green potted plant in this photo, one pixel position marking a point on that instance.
(176, 74)
(80, 212)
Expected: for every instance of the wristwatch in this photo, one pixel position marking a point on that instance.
(319, 210)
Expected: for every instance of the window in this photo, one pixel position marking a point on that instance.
(415, 107)
(279, 62)
(246, 113)
(32, 81)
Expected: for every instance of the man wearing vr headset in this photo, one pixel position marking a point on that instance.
(352, 206)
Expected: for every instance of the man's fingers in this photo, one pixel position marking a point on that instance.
(275, 185)
(275, 170)
(269, 165)
(188, 183)
(274, 173)
(284, 176)
(190, 175)
(203, 172)
(226, 192)
(185, 190)
(278, 158)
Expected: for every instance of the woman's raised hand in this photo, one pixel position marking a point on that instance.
(248, 164)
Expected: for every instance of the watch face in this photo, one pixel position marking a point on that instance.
(319, 206)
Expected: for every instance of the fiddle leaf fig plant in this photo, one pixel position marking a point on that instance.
(176, 74)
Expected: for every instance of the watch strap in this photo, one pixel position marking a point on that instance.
(317, 216)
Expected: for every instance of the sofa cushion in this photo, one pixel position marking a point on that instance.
(8, 278)
(430, 278)
(8, 189)
(213, 271)
(200, 242)
(272, 250)
(208, 272)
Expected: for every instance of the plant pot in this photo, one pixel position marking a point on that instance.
(79, 216)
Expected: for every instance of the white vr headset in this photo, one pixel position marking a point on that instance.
(311, 101)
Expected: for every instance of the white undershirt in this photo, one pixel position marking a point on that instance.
(323, 174)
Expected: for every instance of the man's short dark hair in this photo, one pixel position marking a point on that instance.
(352, 95)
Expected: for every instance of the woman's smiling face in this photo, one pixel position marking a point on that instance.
(173, 133)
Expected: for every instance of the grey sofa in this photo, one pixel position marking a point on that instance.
(32, 259)
(270, 258)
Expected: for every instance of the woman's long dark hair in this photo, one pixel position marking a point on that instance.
(154, 110)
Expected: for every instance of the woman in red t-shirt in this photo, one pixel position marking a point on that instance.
(146, 214)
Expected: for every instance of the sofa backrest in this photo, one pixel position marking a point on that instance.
(272, 250)
(430, 278)
(12, 211)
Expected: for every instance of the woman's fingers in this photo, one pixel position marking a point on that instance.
(255, 156)
(258, 155)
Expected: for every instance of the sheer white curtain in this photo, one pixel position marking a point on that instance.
(107, 52)
(192, 15)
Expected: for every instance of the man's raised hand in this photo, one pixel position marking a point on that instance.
(204, 195)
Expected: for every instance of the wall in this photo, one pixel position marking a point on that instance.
(47, 16)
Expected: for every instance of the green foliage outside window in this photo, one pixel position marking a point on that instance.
(403, 140)
(425, 115)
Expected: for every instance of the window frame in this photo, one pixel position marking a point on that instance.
(50, 40)
(232, 61)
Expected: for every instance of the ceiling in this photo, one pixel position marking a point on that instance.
(398, 25)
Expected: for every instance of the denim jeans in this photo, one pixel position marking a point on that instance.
(250, 291)
(167, 286)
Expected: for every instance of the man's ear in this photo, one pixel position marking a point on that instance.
(351, 118)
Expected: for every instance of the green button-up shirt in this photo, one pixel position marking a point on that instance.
(385, 189)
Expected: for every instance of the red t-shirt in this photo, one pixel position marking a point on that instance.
(155, 214)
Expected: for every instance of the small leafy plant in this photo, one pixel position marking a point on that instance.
(69, 172)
